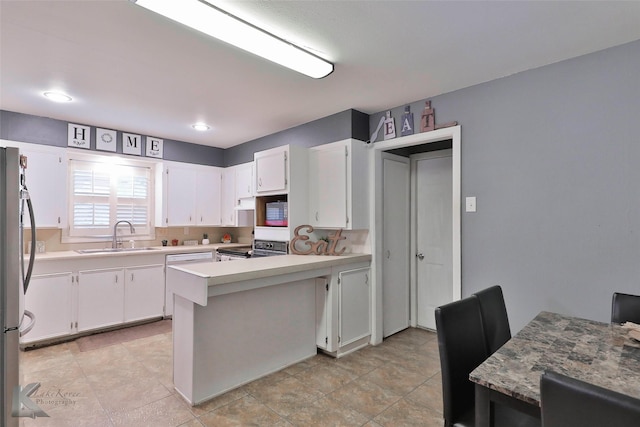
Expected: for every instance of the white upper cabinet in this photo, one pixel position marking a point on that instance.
(208, 194)
(244, 181)
(46, 179)
(187, 195)
(281, 176)
(228, 196)
(338, 190)
(181, 196)
(272, 170)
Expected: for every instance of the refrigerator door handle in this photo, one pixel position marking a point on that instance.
(24, 331)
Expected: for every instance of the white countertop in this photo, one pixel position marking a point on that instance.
(158, 250)
(218, 273)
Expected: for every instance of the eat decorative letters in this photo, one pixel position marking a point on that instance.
(320, 247)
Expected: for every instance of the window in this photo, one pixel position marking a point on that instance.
(103, 192)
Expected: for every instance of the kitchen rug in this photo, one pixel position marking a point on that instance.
(105, 339)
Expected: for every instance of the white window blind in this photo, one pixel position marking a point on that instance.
(104, 193)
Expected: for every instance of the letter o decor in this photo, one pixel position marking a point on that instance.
(316, 248)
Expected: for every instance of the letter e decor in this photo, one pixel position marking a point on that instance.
(320, 247)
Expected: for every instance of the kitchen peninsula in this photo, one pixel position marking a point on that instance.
(235, 322)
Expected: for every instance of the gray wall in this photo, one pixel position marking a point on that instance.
(346, 124)
(339, 126)
(553, 156)
(41, 130)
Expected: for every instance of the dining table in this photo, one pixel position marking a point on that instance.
(595, 352)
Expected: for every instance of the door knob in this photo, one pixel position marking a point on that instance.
(420, 256)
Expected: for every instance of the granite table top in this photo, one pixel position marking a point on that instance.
(594, 352)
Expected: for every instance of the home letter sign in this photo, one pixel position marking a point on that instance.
(154, 147)
(131, 144)
(79, 136)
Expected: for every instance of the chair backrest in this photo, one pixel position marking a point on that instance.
(569, 402)
(494, 317)
(462, 347)
(625, 308)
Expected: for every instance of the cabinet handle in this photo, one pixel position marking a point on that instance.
(316, 216)
(259, 182)
(248, 189)
(388, 254)
(132, 277)
(366, 279)
(116, 278)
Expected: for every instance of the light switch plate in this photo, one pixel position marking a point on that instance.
(470, 203)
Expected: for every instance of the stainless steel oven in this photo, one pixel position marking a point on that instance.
(233, 254)
(263, 248)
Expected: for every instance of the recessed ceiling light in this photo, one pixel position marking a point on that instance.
(57, 96)
(201, 127)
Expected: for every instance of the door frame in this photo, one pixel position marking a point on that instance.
(375, 204)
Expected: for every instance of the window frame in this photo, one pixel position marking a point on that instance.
(73, 234)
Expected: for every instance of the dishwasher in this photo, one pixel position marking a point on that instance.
(180, 259)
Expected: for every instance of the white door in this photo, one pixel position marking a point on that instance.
(434, 235)
(396, 238)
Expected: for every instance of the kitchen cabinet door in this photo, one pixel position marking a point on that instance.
(46, 179)
(271, 170)
(228, 197)
(143, 292)
(208, 194)
(323, 313)
(49, 298)
(354, 306)
(100, 298)
(244, 180)
(181, 196)
(328, 187)
(338, 185)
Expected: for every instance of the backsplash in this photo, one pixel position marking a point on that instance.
(52, 237)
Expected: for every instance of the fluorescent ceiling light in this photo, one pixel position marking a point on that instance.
(57, 96)
(217, 23)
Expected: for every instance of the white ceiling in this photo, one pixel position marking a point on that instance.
(132, 70)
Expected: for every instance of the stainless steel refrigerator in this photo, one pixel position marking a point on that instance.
(15, 208)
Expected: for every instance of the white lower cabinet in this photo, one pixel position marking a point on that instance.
(68, 303)
(49, 297)
(343, 311)
(100, 298)
(112, 296)
(143, 292)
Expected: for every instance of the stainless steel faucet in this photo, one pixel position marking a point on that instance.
(114, 244)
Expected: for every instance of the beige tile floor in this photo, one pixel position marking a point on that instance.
(396, 383)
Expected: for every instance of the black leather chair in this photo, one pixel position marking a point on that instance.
(625, 308)
(462, 347)
(568, 402)
(494, 317)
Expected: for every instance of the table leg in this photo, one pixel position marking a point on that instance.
(483, 406)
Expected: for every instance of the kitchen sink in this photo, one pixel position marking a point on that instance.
(111, 250)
